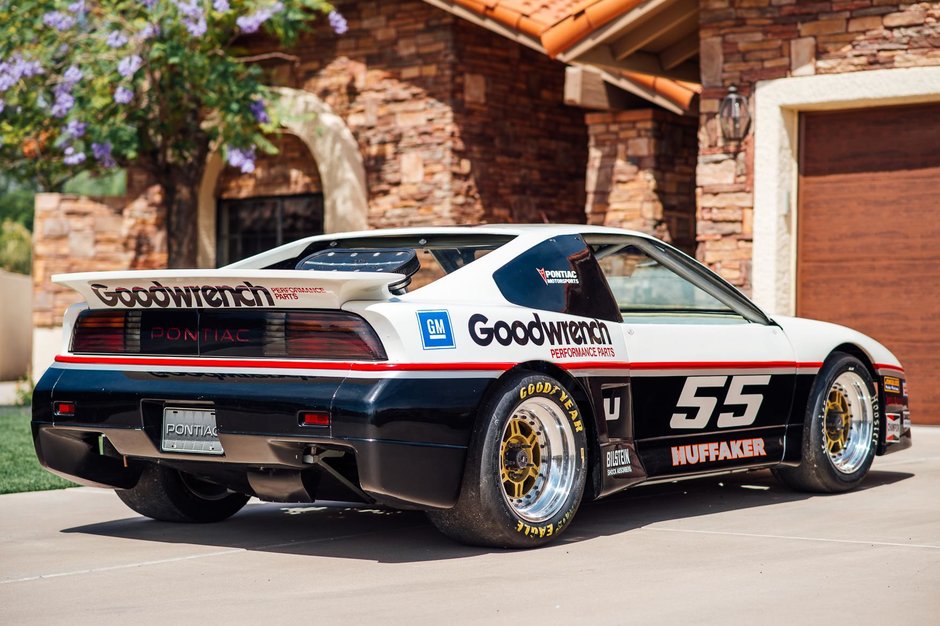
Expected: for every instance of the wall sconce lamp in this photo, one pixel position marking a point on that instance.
(733, 115)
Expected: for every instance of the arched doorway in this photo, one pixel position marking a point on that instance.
(281, 201)
(332, 153)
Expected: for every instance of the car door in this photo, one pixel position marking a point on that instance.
(711, 377)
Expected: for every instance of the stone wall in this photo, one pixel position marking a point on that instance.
(640, 173)
(520, 151)
(456, 124)
(390, 77)
(746, 41)
(81, 234)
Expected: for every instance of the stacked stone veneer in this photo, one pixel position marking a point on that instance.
(640, 173)
(455, 124)
(80, 234)
(746, 41)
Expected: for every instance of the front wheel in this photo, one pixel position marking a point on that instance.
(841, 429)
(171, 496)
(526, 468)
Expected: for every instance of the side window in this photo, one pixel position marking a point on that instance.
(559, 274)
(641, 284)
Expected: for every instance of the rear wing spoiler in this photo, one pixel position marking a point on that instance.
(228, 288)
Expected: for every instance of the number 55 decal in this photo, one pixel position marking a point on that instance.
(705, 405)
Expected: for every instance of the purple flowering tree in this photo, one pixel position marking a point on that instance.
(90, 85)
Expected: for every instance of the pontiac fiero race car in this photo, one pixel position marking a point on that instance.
(494, 376)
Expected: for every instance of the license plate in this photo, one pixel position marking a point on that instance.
(190, 431)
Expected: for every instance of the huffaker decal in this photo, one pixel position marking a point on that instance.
(618, 462)
(705, 405)
(436, 331)
(892, 384)
(717, 451)
(538, 332)
(556, 277)
(156, 295)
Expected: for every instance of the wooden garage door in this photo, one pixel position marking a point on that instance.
(868, 251)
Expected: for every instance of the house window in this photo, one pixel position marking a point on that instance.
(252, 225)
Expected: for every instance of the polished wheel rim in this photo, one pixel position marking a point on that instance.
(848, 422)
(537, 459)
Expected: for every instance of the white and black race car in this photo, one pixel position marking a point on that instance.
(494, 376)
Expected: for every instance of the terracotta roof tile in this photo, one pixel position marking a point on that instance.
(560, 24)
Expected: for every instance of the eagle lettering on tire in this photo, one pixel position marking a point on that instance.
(526, 467)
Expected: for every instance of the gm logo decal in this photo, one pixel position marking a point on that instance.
(436, 331)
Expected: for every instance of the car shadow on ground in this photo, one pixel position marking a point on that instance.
(352, 531)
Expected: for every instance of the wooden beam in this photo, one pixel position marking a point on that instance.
(586, 88)
(610, 31)
(641, 33)
(641, 91)
(642, 62)
(679, 52)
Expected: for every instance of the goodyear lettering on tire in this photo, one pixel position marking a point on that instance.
(555, 391)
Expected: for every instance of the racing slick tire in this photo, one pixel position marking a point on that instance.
(168, 495)
(526, 467)
(840, 433)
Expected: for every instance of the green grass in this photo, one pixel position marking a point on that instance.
(19, 469)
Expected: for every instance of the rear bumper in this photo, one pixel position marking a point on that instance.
(403, 439)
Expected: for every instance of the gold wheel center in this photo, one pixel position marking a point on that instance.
(837, 422)
(520, 456)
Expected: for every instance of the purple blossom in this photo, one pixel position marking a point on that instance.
(337, 22)
(148, 31)
(58, 20)
(128, 66)
(117, 39)
(16, 68)
(189, 8)
(77, 7)
(75, 129)
(242, 159)
(123, 95)
(71, 76)
(148, 4)
(251, 23)
(221, 6)
(73, 157)
(102, 154)
(63, 103)
(260, 112)
(196, 28)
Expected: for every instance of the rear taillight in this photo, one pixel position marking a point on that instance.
(100, 332)
(327, 335)
(332, 336)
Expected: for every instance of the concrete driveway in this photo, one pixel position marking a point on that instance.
(732, 550)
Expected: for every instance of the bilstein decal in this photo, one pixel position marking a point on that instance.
(159, 296)
(538, 332)
(618, 462)
(717, 451)
(558, 277)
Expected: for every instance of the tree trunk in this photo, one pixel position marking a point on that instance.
(181, 199)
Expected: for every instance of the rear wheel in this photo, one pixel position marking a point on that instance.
(171, 496)
(526, 468)
(840, 432)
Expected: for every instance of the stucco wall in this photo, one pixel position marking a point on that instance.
(15, 325)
